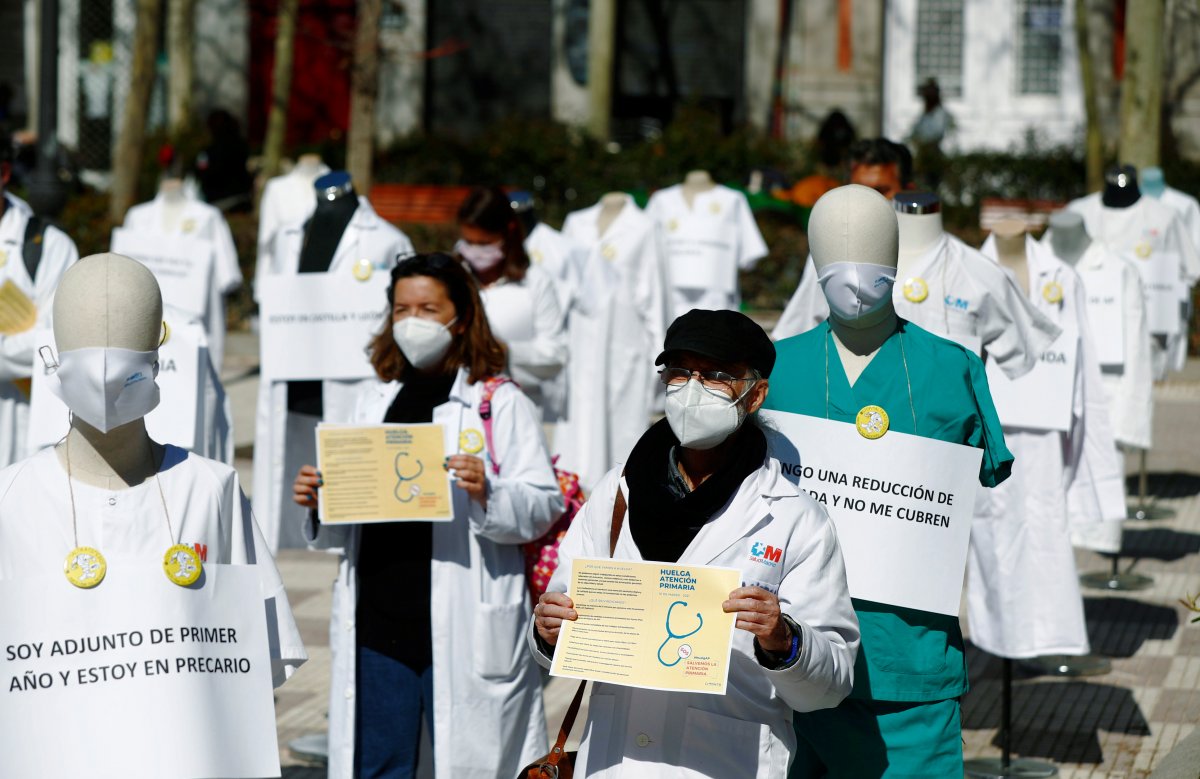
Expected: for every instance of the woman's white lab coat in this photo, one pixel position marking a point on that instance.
(18, 352)
(284, 441)
(487, 712)
(747, 732)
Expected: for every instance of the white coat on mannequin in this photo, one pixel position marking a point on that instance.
(285, 200)
(1188, 209)
(1129, 387)
(1023, 589)
(283, 441)
(1159, 226)
(717, 227)
(558, 257)
(202, 221)
(487, 713)
(17, 352)
(617, 328)
(215, 411)
(747, 732)
(970, 300)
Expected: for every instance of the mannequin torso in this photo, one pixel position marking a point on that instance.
(610, 207)
(1010, 250)
(918, 234)
(109, 301)
(694, 183)
(1069, 238)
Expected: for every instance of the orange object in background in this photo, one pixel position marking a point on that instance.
(808, 190)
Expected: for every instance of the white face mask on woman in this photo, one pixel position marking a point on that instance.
(480, 256)
(105, 386)
(856, 289)
(423, 341)
(702, 418)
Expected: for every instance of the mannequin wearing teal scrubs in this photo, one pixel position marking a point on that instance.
(902, 718)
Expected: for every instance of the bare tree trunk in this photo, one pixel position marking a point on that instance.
(1141, 93)
(127, 161)
(281, 85)
(181, 24)
(1091, 103)
(602, 23)
(364, 88)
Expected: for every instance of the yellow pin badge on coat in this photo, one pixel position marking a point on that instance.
(872, 422)
(3, 258)
(363, 269)
(915, 289)
(1052, 292)
(1143, 250)
(182, 565)
(471, 441)
(85, 567)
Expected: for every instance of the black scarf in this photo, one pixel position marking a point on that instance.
(662, 521)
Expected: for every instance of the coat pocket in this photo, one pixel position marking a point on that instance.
(499, 644)
(716, 745)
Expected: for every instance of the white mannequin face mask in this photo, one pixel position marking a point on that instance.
(480, 256)
(856, 289)
(701, 418)
(423, 341)
(105, 386)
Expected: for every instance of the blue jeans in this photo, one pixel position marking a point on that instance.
(387, 732)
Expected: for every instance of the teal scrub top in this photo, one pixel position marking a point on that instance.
(906, 655)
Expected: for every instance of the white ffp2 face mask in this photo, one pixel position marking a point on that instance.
(423, 341)
(480, 256)
(105, 386)
(856, 289)
(701, 419)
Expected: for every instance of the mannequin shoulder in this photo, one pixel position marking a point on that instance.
(799, 348)
(201, 472)
(928, 351)
(25, 475)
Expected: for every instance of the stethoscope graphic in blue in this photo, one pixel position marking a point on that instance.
(673, 635)
(413, 489)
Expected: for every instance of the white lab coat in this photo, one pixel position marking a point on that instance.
(971, 300)
(1129, 386)
(284, 441)
(285, 200)
(748, 731)
(201, 221)
(1188, 209)
(206, 507)
(1150, 223)
(526, 316)
(560, 258)
(17, 352)
(214, 411)
(487, 712)
(707, 244)
(1023, 597)
(616, 329)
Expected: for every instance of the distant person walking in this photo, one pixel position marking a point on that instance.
(930, 129)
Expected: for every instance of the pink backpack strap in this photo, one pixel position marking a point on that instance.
(490, 386)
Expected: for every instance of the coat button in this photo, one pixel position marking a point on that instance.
(349, 693)
(642, 740)
(112, 501)
(349, 626)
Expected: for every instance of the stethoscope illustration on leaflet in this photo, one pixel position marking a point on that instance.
(413, 489)
(673, 635)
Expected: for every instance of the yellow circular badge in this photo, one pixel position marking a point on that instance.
(471, 441)
(166, 333)
(1052, 292)
(188, 225)
(536, 256)
(915, 289)
(363, 269)
(1143, 250)
(3, 258)
(872, 422)
(182, 565)
(609, 253)
(715, 208)
(85, 567)
(673, 225)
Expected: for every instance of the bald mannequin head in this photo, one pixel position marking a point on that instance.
(107, 300)
(853, 224)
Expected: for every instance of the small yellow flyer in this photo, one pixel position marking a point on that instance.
(659, 626)
(382, 473)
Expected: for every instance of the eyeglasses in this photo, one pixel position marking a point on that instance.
(712, 380)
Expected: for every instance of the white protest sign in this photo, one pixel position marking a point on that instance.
(701, 261)
(1042, 399)
(1106, 314)
(318, 325)
(178, 419)
(902, 506)
(1162, 288)
(182, 266)
(137, 678)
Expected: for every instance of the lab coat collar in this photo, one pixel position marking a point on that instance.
(459, 391)
(365, 217)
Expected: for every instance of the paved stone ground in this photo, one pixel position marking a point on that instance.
(1121, 725)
